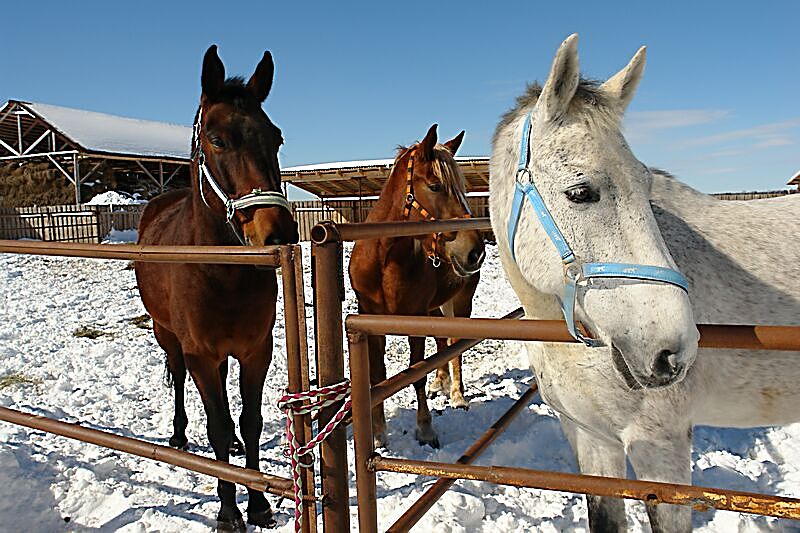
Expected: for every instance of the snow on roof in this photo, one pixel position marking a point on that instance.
(366, 163)
(99, 132)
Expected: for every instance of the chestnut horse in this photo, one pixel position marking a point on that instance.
(424, 275)
(202, 314)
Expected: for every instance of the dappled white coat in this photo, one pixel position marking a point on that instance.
(742, 260)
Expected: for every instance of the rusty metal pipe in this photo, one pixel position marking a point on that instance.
(785, 338)
(394, 384)
(211, 467)
(294, 366)
(432, 495)
(325, 273)
(224, 255)
(328, 231)
(362, 432)
(650, 492)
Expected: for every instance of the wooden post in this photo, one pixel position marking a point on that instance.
(77, 174)
(326, 273)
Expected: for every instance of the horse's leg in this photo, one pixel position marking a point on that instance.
(664, 456)
(377, 373)
(253, 372)
(177, 370)
(441, 381)
(461, 306)
(425, 433)
(237, 448)
(599, 457)
(206, 374)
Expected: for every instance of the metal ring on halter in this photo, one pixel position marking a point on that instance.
(573, 271)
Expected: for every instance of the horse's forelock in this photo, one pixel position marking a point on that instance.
(447, 170)
(589, 102)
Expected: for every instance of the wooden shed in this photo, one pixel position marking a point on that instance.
(80, 144)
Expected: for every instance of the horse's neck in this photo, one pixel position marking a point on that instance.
(208, 225)
(389, 207)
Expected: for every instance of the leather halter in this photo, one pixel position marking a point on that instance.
(412, 203)
(255, 197)
(575, 270)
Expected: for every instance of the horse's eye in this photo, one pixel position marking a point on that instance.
(435, 187)
(582, 194)
(216, 142)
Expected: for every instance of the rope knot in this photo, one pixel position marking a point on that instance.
(303, 403)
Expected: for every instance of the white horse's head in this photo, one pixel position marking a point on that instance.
(598, 195)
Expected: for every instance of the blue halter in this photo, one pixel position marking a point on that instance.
(574, 270)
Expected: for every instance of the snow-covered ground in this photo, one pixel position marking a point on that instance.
(115, 382)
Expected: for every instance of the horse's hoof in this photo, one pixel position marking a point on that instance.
(459, 403)
(237, 448)
(261, 518)
(379, 441)
(433, 443)
(231, 525)
(181, 443)
(428, 437)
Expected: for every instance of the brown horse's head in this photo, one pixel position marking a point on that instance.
(438, 191)
(239, 145)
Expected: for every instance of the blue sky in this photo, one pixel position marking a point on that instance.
(718, 105)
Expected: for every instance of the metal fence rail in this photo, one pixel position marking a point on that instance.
(365, 396)
(290, 259)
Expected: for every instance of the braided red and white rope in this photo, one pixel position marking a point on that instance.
(294, 404)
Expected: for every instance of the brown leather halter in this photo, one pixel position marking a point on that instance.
(412, 203)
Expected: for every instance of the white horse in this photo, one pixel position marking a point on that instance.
(640, 391)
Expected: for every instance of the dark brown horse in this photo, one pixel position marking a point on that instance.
(428, 275)
(203, 314)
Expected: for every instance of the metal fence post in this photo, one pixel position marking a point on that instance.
(326, 272)
(362, 432)
(295, 370)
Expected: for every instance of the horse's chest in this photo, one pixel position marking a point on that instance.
(219, 310)
(582, 388)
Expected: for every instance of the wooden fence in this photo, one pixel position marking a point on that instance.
(91, 223)
(67, 223)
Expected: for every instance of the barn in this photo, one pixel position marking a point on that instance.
(88, 148)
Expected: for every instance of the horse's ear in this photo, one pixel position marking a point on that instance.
(213, 77)
(454, 143)
(622, 85)
(261, 81)
(562, 82)
(429, 143)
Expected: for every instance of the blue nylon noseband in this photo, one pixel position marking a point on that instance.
(574, 270)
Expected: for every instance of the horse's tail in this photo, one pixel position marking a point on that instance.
(168, 377)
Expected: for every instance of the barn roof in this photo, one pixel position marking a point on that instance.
(143, 143)
(795, 180)
(111, 134)
(366, 178)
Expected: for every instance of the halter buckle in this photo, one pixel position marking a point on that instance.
(409, 198)
(435, 260)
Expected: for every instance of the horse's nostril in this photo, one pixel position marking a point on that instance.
(667, 364)
(475, 256)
